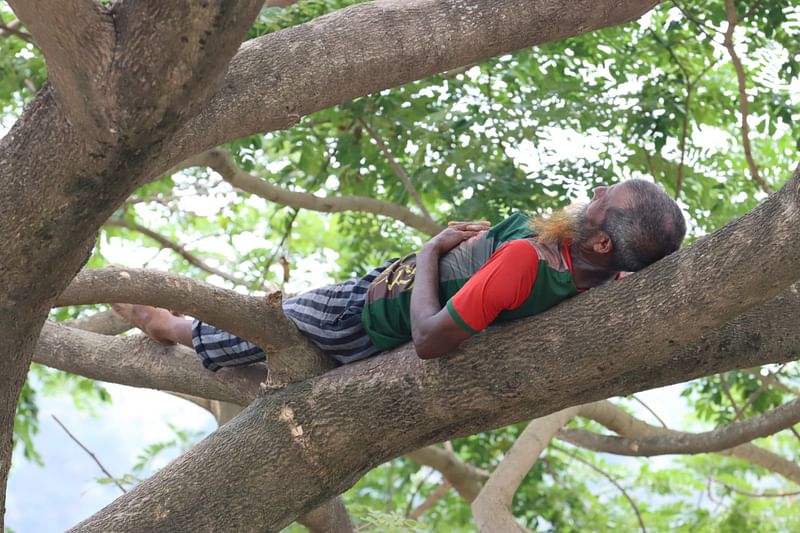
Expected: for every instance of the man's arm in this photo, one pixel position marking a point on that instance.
(433, 330)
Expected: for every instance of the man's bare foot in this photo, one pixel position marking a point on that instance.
(159, 324)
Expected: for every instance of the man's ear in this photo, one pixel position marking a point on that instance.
(602, 243)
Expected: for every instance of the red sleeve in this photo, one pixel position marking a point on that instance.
(504, 282)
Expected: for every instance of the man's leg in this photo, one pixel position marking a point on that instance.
(215, 347)
(159, 324)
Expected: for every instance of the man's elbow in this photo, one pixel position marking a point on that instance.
(428, 352)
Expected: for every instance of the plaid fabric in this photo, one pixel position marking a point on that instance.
(329, 316)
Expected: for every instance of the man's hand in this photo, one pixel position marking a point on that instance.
(455, 234)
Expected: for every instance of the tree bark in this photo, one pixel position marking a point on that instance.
(70, 167)
(315, 439)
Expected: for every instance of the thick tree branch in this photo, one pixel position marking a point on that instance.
(177, 248)
(259, 319)
(222, 163)
(77, 39)
(492, 507)
(660, 312)
(730, 10)
(273, 82)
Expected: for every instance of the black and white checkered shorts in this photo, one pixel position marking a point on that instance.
(329, 316)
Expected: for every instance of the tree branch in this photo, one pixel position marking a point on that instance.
(756, 494)
(398, 169)
(272, 82)
(90, 453)
(77, 39)
(177, 248)
(12, 28)
(492, 507)
(321, 420)
(463, 477)
(431, 500)
(681, 442)
(617, 420)
(103, 322)
(138, 361)
(259, 319)
(222, 163)
(743, 105)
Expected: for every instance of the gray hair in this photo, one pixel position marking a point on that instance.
(649, 228)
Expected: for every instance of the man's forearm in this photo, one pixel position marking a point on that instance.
(425, 295)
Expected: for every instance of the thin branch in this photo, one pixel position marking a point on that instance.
(755, 7)
(398, 169)
(727, 390)
(92, 455)
(649, 409)
(431, 500)
(464, 477)
(743, 105)
(222, 163)
(611, 479)
(417, 489)
(177, 248)
(755, 395)
(680, 442)
(12, 28)
(702, 26)
(757, 494)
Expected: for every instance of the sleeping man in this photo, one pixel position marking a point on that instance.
(461, 281)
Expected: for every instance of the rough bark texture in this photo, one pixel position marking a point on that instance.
(319, 433)
(276, 79)
(69, 168)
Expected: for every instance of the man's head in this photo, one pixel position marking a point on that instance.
(634, 222)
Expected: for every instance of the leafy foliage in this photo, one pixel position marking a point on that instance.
(530, 131)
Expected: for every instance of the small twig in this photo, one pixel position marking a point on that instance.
(702, 26)
(743, 105)
(756, 494)
(611, 479)
(651, 411)
(753, 397)
(750, 11)
(417, 489)
(431, 500)
(92, 455)
(727, 390)
(399, 170)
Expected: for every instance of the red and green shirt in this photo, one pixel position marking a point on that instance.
(499, 275)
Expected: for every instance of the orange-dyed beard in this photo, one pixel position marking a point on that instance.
(567, 224)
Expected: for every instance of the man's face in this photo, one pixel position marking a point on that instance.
(604, 198)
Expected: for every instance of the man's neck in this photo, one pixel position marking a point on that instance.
(588, 270)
